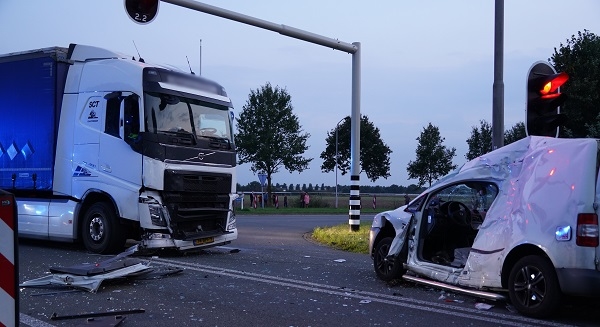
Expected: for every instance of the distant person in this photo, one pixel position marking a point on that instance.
(406, 199)
(285, 201)
(306, 199)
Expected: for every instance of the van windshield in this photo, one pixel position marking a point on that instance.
(166, 113)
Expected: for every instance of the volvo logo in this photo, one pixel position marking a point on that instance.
(200, 156)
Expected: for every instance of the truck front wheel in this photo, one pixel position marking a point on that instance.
(100, 229)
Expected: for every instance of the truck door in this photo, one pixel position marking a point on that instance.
(118, 158)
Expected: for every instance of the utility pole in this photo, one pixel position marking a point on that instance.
(498, 88)
(354, 49)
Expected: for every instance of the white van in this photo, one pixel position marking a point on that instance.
(522, 219)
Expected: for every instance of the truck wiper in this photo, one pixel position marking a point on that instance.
(216, 141)
(182, 133)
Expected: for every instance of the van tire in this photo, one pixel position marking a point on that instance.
(386, 270)
(100, 229)
(538, 296)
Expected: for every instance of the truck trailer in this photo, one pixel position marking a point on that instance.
(100, 147)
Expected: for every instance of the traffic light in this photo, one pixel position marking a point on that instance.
(142, 11)
(544, 99)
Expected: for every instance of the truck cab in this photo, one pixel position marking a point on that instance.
(142, 151)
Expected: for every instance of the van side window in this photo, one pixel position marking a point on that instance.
(111, 125)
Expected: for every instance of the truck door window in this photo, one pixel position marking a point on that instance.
(131, 117)
(113, 108)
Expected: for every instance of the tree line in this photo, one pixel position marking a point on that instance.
(297, 188)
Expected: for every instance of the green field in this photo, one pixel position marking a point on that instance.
(323, 203)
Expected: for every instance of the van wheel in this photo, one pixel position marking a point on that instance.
(533, 286)
(388, 269)
(100, 229)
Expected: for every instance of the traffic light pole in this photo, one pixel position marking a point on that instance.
(498, 88)
(354, 49)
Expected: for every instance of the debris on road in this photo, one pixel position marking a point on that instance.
(55, 316)
(340, 260)
(483, 306)
(89, 276)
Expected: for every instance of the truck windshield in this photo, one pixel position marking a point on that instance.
(165, 113)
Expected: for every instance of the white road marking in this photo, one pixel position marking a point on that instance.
(442, 308)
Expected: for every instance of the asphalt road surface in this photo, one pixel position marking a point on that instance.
(273, 275)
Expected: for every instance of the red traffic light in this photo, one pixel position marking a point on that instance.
(552, 83)
(542, 115)
(141, 11)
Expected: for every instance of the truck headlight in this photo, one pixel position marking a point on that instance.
(231, 224)
(157, 215)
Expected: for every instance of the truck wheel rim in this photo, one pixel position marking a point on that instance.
(530, 286)
(96, 229)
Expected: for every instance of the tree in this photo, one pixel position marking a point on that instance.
(269, 135)
(433, 158)
(374, 153)
(480, 141)
(580, 58)
(515, 133)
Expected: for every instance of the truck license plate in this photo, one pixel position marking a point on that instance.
(205, 240)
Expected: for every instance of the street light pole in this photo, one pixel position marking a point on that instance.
(336, 161)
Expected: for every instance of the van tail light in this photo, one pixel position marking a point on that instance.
(587, 229)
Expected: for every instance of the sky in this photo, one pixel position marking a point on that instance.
(429, 61)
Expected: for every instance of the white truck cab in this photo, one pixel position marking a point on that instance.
(100, 147)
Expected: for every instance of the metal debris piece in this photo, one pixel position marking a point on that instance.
(89, 276)
(88, 283)
(483, 306)
(55, 316)
(105, 322)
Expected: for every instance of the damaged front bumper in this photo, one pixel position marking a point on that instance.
(166, 241)
(172, 227)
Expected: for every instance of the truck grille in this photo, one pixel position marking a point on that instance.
(185, 181)
(198, 203)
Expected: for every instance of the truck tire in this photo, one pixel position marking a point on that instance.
(100, 229)
(385, 269)
(533, 287)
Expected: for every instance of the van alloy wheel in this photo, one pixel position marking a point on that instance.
(533, 286)
(387, 268)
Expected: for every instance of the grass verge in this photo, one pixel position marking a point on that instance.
(340, 237)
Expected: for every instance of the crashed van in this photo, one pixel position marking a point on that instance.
(518, 224)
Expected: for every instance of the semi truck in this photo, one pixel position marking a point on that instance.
(99, 147)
